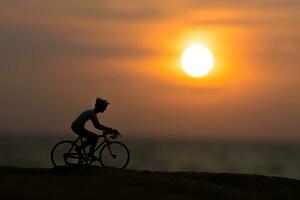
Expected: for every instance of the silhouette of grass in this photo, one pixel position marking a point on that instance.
(108, 183)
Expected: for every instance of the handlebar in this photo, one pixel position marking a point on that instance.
(113, 135)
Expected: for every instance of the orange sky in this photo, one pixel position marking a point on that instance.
(57, 57)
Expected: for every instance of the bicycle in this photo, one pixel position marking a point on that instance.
(111, 154)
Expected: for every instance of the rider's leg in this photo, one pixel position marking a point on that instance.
(92, 140)
(80, 132)
(83, 145)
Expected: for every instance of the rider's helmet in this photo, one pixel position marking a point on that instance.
(101, 104)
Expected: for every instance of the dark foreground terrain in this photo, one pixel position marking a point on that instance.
(105, 183)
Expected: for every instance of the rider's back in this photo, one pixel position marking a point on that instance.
(80, 121)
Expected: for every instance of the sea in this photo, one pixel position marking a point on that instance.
(156, 154)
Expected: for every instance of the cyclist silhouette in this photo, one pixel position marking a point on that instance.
(78, 126)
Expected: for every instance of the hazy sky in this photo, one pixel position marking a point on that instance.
(57, 56)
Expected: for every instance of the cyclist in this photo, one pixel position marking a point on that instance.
(78, 126)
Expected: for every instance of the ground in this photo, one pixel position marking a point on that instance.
(107, 183)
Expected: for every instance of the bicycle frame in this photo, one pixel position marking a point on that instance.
(105, 141)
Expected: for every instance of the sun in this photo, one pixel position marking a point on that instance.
(197, 61)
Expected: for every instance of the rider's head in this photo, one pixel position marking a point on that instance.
(101, 105)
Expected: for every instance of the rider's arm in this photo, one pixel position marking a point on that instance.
(97, 124)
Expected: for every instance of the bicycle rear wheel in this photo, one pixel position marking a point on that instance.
(114, 154)
(63, 153)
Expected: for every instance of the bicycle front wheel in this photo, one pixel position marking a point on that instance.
(114, 154)
(64, 154)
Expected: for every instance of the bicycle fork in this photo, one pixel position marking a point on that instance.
(111, 153)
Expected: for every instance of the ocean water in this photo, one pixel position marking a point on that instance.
(266, 158)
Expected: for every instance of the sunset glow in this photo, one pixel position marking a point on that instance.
(181, 66)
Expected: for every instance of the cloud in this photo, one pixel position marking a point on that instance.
(22, 46)
(30, 47)
(96, 10)
(256, 4)
(141, 13)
